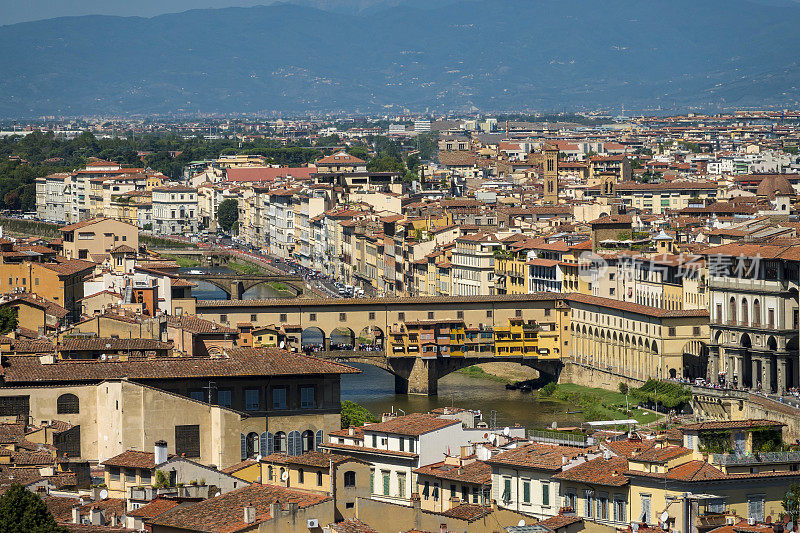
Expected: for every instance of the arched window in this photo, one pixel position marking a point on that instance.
(308, 440)
(67, 404)
(252, 444)
(756, 312)
(280, 442)
(744, 311)
(732, 310)
(349, 479)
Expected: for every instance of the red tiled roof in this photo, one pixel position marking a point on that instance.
(414, 424)
(254, 174)
(240, 362)
(197, 325)
(542, 456)
(224, 514)
(474, 472)
(598, 471)
(132, 459)
(468, 512)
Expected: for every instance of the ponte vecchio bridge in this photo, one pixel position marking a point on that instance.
(380, 317)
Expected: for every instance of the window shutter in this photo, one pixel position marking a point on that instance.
(263, 444)
(270, 449)
(295, 443)
(318, 439)
(244, 447)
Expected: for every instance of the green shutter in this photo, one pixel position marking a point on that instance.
(386, 484)
(545, 494)
(507, 491)
(372, 481)
(526, 492)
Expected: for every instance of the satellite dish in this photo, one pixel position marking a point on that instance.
(283, 344)
(103, 357)
(103, 494)
(521, 523)
(217, 494)
(285, 476)
(664, 516)
(258, 457)
(506, 431)
(635, 527)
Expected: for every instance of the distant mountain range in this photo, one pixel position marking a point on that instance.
(449, 55)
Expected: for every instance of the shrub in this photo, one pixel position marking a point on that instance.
(548, 390)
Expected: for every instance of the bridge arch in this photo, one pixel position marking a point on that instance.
(370, 338)
(342, 338)
(313, 338)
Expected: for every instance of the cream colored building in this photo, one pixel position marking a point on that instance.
(97, 237)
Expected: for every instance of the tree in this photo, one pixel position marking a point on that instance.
(228, 214)
(22, 511)
(8, 320)
(355, 415)
(791, 501)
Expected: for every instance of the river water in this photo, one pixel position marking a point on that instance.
(207, 291)
(374, 387)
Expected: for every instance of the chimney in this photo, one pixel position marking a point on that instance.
(275, 509)
(160, 452)
(415, 501)
(351, 431)
(76, 515)
(96, 516)
(249, 514)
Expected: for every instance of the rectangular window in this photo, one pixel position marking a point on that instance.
(401, 484)
(715, 505)
(506, 496)
(672, 332)
(402, 444)
(755, 508)
(187, 440)
(113, 473)
(197, 395)
(602, 508)
(145, 475)
(619, 510)
(283, 317)
(587, 504)
(372, 315)
(312, 317)
(319, 478)
(224, 398)
(307, 400)
(430, 315)
(130, 475)
(223, 318)
(251, 400)
(696, 331)
(401, 316)
(518, 313)
(374, 441)
(489, 313)
(253, 318)
(546, 494)
(385, 474)
(526, 492)
(646, 514)
(279, 398)
(342, 317)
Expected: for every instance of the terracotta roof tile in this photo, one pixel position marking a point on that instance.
(542, 456)
(155, 508)
(598, 471)
(474, 472)
(241, 362)
(224, 514)
(468, 512)
(414, 424)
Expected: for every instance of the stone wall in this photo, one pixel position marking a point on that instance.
(581, 374)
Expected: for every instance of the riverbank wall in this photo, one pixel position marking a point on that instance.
(587, 376)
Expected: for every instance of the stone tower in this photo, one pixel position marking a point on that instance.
(608, 185)
(550, 165)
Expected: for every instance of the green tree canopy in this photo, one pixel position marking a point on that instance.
(355, 415)
(228, 213)
(8, 319)
(22, 511)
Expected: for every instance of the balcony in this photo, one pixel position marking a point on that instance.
(750, 285)
(731, 459)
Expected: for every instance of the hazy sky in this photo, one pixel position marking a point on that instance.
(12, 11)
